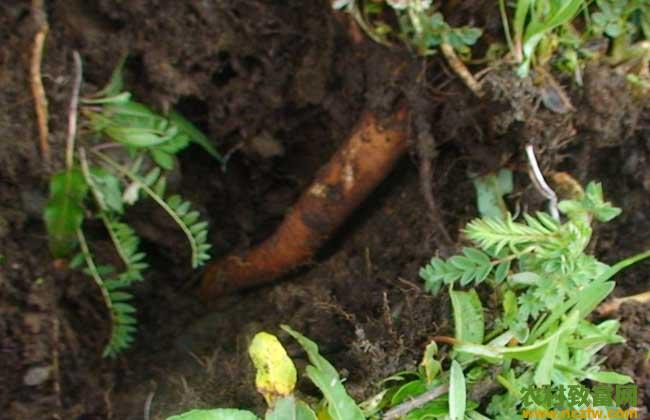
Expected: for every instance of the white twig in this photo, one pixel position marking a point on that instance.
(540, 183)
(147, 405)
(72, 110)
(419, 401)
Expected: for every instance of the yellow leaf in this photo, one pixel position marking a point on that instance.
(276, 374)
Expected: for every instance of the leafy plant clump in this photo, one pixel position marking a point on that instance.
(546, 285)
(564, 34)
(104, 177)
(421, 26)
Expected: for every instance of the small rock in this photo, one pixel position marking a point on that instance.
(36, 375)
(265, 145)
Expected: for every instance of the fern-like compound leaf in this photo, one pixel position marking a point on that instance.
(178, 209)
(123, 323)
(498, 234)
(474, 266)
(195, 230)
(126, 243)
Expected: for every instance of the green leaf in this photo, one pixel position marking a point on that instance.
(457, 393)
(544, 368)
(152, 176)
(469, 324)
(64, 212)
(502, 271)
(486, 352)
(194, 134)
(340, 405)
(116, 83)
(561, 12)
(108, 190)
(163, 159)
(216, 414)
(490, 190)
(431, 410)
(408, 390)
(429, 364)
(135, 137)
(288, 408)
(605, 377)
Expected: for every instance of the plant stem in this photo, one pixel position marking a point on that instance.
(73, 110)
(410, 405)
(92, 269)
(86, 171)
(36, 80)
(623, 264)
(538, 180)
(506, 26)
(460, 69)
(158, 199)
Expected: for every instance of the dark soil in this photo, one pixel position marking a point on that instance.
(279, 84)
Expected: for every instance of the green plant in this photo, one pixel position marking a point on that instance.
(531, 34)
(102, 179)
(627, 24)
(276, 379)
(546, 285)
(421, 27)
(624, 21)
(542, 336)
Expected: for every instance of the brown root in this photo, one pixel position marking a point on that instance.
(36, 82)
(361, 163)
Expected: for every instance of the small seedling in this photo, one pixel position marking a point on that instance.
(534, 27)
(103, 178)
(623, 21)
